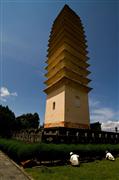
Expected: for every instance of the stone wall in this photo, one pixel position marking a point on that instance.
(31, 135)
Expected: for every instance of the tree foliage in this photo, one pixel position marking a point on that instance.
(7, 121)
(96, 126)
(27, 121)
(9, 124)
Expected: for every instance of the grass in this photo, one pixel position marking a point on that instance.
(96, 170)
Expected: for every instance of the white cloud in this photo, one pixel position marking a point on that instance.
(102, 114)
(110, 125)
(4, 93)
(14, 94)
(93, 103)
(2, 99)
(106, 116)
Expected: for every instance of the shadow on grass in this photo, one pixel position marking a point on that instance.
(35, 163)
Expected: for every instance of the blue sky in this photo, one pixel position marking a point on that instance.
(24, 30)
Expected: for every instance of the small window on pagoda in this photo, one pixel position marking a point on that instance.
(53, 105)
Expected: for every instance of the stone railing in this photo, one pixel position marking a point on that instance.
(65, 135)
(60, 135)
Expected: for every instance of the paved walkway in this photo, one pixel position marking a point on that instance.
(9, 170)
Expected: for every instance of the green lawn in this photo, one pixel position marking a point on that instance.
(97, 170)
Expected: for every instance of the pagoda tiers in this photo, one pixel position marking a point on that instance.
(67, 82)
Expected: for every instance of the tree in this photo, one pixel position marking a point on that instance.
(7, 121)
(34, 120)
(96, 126)
(116, 129)
(27, 121)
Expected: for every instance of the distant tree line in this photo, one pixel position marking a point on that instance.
(27, 121)
(9, 123)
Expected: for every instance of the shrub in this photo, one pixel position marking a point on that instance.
(20, 151)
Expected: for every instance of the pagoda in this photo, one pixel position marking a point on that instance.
(67, 70)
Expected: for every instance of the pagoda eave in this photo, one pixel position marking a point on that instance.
(66, 81)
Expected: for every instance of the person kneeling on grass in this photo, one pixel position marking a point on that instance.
(109, 156)
(74, 159)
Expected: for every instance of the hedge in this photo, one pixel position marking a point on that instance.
(20, 151)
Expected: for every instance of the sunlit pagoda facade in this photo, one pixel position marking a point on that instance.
(67, 73)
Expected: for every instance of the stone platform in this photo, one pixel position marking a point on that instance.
(9, 170)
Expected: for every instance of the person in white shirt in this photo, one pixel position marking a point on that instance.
(74, 159)
(109, 156)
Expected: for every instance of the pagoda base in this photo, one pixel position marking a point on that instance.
(67, 125)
